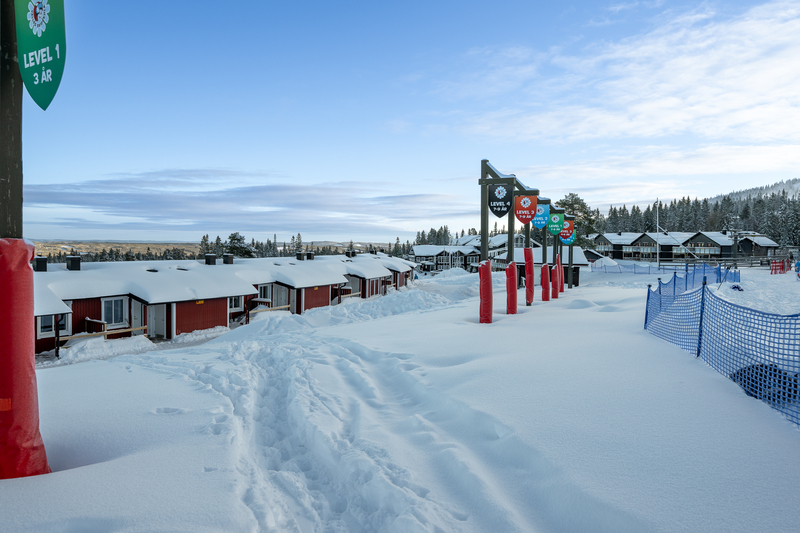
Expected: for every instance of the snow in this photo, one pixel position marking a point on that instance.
(45, 302)
(402, 413)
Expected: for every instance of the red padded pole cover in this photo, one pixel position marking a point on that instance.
(560, 274)
(511, 288)
(21, 447)
(529, 275)
(554, 282)
(545, 282)
(485, 275)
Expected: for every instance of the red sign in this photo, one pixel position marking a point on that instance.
(569, 229)
(525, 208)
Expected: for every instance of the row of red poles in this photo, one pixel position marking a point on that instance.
(780, 267)
(551, 285)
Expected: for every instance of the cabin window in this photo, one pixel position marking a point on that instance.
(235, 303)
(265, 291)
(115, 312)
(46, 324)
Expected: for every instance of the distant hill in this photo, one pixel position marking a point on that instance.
(792, 188)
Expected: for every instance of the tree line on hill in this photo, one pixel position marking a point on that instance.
(776, 215)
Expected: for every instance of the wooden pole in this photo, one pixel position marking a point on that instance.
(10, 126)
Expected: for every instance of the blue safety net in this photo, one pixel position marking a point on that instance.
(714, 272)
(759, 351)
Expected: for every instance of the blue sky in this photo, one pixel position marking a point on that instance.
(368, 120)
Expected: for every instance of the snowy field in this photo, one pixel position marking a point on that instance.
(403, 414)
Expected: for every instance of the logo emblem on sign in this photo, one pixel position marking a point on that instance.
(499, 201)
(525, 202)
(38, 16)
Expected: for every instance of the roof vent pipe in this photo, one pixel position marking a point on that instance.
(227, 259)
(73, 262)
(40, 264)
(619, 233)
(211, 259)
(300, 256)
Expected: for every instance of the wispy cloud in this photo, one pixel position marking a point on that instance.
(696, 74)
(180, 200)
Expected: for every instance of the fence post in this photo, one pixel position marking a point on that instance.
(647, 305)
(659, 286)
(702, 312)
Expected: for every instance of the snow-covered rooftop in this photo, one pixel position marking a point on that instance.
(623, 238)
(45, 302)
(154, 282)
(578, 258)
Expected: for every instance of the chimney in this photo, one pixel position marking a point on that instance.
(300, 256)
(373, 252)
(211, 259)
(73, 262)
(619, 233)
(724, 232)
(40, 264)
(227, 259)
(309, 256)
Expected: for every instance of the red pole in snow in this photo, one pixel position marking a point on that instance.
(485, 275)
(554, 282)
(511, 288)
(529, 266)
(545, 282)
(21, 448)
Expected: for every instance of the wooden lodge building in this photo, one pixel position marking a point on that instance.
(703, 245)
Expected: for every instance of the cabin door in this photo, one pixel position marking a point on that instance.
(137, 317)
(280, 296)
(157, 321)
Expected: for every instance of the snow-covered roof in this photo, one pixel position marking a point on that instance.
(760, 240)
(290, 271)
(469, 240)
(717, 237)
(671, 237)
(578, 259)
(154, 282)
(625, 237)
(45, 302)
(425, 250)
(365, 266)
(395, 264)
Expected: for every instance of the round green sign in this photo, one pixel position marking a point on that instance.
(41, 47)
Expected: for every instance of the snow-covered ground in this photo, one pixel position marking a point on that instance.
(402, 413)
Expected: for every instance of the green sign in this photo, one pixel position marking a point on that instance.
(41, 47)
(555, 223)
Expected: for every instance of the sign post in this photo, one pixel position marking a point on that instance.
(32, 50)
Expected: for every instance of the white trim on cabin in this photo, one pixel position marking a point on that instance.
(117, 311)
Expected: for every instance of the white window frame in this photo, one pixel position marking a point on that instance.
(115, 325)
(52, 333)
(231, 300)
(265, 291)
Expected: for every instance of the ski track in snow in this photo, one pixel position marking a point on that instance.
(308, 417)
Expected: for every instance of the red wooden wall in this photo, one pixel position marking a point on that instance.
(191, 316)
(317, 297)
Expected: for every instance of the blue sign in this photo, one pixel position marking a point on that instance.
(542, 216)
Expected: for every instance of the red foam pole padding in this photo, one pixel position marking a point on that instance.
(529, 275)
(545, 282)
(554, 283)
(21, 447)
(485, 275)
(511, 288)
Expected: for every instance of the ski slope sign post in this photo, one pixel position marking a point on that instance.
(41, 47)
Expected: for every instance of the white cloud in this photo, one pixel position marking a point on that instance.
(697, 74)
